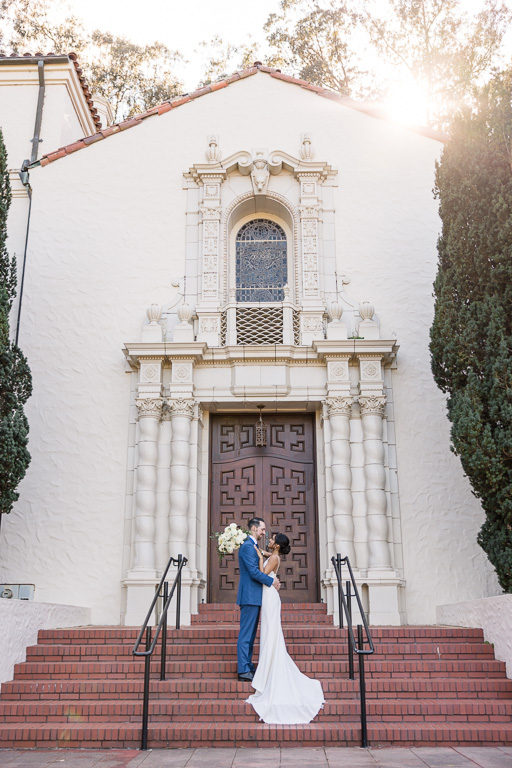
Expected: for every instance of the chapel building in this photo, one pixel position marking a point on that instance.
(226, 310)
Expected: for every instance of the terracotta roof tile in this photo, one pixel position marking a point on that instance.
(182, 100)
(56, 155)
(69, 148)
(201, 92)
(94, 138)
(129, 123)
(110, 130)
(163, 108)
(167, 106)
(247, 72)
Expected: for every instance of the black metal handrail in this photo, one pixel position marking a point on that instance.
(167, 596)
(345, 607)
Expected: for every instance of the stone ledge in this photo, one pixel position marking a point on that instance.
(21, 621)
(492, 614)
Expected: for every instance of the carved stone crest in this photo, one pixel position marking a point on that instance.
(260, 173)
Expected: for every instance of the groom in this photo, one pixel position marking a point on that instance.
(249, 597)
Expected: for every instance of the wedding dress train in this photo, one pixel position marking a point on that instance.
(284, 696)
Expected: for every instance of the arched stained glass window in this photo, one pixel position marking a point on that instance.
(261, 270)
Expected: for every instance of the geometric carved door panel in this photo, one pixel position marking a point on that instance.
(277, 483)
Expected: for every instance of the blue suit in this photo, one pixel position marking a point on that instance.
(249, 600)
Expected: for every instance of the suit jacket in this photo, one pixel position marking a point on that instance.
(251, 578)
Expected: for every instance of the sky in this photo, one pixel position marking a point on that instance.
(179, 25)
(183, 25)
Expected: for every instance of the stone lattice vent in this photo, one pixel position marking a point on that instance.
(259, 325)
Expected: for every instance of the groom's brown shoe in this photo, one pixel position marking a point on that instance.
(245, 677)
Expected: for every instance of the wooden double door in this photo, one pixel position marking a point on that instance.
(275, 482)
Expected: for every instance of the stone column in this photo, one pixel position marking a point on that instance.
(143, 558)
(163, 484)
(372, 412)
(141, 579)
(339, 410)
(182, 411)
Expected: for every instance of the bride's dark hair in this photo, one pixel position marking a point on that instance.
(284, 543)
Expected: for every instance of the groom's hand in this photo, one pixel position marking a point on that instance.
(276, 583)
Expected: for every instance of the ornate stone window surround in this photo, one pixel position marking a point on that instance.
(232, 246)
(278, 210)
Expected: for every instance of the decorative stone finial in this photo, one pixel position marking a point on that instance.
(184, 331)
(335, 329)
(366, 310)
(334, 310)
(184, 312)
(154, 313)
(153, 331)
(368, 328)
(212, 153)
(306, 151)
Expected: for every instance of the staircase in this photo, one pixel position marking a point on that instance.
(426, 686)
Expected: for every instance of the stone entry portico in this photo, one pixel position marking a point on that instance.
(346, 383)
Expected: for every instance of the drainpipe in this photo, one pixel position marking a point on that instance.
(25, 179)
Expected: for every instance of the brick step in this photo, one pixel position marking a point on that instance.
(299, 607)
(222, 688)
(198, 734)
(287, 617)
(227, 651)
(220, 710)
(201, 634)
(315, 668)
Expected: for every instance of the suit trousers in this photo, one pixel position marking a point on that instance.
(249, 616)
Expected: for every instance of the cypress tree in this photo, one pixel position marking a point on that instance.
(471, 336)
(15, 377)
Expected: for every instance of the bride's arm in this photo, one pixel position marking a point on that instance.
(272, 562)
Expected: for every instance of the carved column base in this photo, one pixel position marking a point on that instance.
(191, 582)
(330, 585)
(385, 598)
(381, 596)
(138, 593)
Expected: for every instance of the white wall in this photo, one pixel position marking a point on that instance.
(493, 615)
(108, 234)
(21, 621)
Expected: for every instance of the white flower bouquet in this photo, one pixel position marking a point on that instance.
(229, 539)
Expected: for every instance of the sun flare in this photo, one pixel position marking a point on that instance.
(407, 103)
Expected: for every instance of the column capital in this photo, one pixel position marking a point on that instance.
(372, 404)
(339, 406)
(149, 406)
(181, 407)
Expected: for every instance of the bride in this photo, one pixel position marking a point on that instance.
(283, 694)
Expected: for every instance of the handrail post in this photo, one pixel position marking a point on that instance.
(340, 601)
(349, 622)
(163, 649)
(362, 689)
(178, 596)
(145, 701)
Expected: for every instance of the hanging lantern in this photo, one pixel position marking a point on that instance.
(260, 429)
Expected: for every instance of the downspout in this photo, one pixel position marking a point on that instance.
(25, 179)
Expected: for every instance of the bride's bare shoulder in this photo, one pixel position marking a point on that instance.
(272, 564)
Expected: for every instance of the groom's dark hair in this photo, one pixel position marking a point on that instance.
(256, 522)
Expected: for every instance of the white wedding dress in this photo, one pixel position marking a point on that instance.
(284, 696)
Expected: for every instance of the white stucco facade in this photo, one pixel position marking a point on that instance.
(120, 413)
